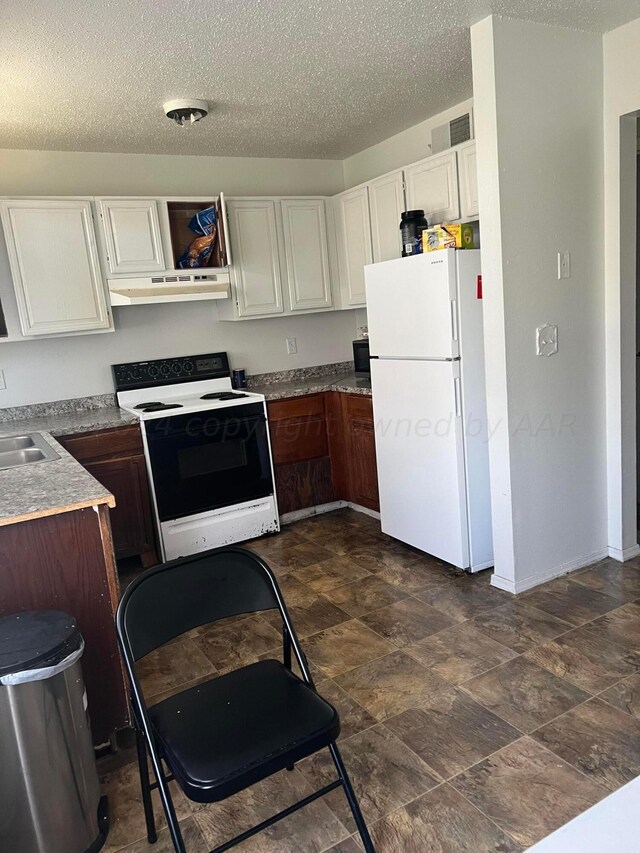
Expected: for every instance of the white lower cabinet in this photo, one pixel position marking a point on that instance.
(51, 245)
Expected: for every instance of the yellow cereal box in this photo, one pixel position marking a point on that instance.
(454, 236)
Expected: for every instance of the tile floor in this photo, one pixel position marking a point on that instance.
(471, 721)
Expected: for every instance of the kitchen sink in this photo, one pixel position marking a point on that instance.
(16, 442)
(16, 450)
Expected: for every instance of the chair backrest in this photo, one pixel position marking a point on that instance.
(184, 594)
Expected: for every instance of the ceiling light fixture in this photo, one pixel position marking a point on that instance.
(185, 111)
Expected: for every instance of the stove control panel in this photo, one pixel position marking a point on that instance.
(169, 371)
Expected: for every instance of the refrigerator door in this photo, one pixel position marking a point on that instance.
(411, 306)
(420, 456)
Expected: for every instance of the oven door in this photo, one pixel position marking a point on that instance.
(209, 460)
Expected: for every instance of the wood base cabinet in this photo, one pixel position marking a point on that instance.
(300, 450)
(323, 448)
(353, 448)
(115, 458)
(65, 562)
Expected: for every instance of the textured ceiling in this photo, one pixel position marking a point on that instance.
(286, 78)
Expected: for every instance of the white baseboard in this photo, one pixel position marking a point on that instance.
(516, 587)
(364, 510)
(308, 512)
(626, 554)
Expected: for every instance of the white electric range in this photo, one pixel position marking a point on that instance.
(207, 450)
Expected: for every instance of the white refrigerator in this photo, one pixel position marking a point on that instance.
(429, 404)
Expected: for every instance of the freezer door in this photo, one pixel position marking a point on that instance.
(411, 306)
(420, 457)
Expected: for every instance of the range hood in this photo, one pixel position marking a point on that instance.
(173, 287)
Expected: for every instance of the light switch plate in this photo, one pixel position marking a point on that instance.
(292, 346)
(564, 265)
(3, 383)
(546, 340)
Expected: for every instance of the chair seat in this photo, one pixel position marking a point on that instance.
(228, 733)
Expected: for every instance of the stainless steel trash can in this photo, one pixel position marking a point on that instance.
(49, 791)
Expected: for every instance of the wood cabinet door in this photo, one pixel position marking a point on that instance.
(131, 520)
(354, 244)
(256, 268)
(386, 202)
(132, 235)
(468, 175)
(54, 264)
(361, 451)
(432, 186)
(307, 254)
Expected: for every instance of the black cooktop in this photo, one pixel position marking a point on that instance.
(223, 395)
(157, 407)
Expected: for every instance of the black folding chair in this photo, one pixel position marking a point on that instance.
(232, 731)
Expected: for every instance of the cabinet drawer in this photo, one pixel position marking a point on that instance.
(359, 406)
(296, 407)
(109, 443)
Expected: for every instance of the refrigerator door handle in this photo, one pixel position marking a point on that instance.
(457, 396)
(454, 319)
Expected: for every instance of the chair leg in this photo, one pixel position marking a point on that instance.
(351, 798)
(143, 767)
(169, 810)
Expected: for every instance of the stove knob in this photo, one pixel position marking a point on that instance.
(152, 370)
(188, 366)
(165, 369)
(175, 368)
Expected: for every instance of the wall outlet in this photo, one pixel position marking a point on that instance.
(564, 265)
(546, 340)
(3, 383)
(292, 346)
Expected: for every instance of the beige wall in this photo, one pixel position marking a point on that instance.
(80, 173)
(399, 150)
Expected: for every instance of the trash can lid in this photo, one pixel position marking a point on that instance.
(36, 638)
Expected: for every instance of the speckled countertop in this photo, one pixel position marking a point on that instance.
(47, 488)
(69, 423)
(349, 383)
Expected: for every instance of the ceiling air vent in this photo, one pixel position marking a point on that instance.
(453, 133)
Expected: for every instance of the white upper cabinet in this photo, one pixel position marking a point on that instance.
(468, 175)
(132, 235)
(354, 244)
(256, 262)
(306, 253)
(386, 202)
(54, 264)
(432, 186)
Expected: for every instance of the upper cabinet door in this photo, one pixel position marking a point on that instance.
(354, 242)
(468, 173)
(307, 256)
(432, 186)
(386, 201)
(256, 264)
(54, 264)
(132, 235)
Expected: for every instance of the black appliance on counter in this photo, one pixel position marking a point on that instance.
(361, 357)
